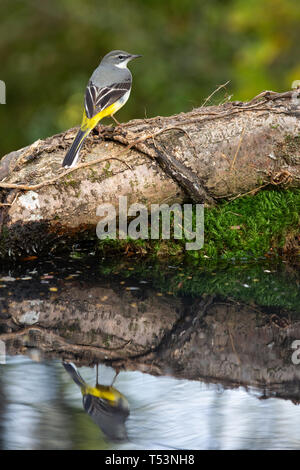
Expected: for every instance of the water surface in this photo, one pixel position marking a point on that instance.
(204, 355)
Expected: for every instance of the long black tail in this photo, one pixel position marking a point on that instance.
(73, 152)
(71, 369)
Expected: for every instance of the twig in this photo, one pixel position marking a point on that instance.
(155, 134)
(56, 178)
(225, 156)
(11, 203)
(270, 95)
(249, 192)
(251, 106)
(212, 94)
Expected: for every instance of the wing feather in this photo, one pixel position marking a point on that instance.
(97, 99)
(110, 419)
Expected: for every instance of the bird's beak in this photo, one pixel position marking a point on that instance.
(135, 56)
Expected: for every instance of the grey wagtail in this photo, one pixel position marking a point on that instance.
(107, 407)
(107, 91)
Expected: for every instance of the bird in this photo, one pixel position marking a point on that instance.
(107, 407)
(107, 91)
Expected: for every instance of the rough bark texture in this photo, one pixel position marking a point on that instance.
(210, 339)
(207, 154)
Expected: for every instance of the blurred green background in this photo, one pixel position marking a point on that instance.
(49, 48)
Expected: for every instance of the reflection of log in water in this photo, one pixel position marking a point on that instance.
(90, 322)
(212, 339)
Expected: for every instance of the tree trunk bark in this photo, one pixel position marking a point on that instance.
(205, 155)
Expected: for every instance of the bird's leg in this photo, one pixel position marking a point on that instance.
(116, 375)
(97, 370)
(100, 128)
(116, 121)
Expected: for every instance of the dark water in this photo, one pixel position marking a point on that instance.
(205, 356)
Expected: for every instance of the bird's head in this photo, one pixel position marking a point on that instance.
(118, 58)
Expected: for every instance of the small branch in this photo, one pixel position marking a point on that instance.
(10, 203)
(250, 192)
(269, 95)
(214, 92)
(53, 180)
(143, 138)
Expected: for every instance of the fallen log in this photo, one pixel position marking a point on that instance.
(205, 155)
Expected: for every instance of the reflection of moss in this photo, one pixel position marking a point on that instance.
(260, 283)
(251, 226)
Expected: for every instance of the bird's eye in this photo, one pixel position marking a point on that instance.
(121, 57)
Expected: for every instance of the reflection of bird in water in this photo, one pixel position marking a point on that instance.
(107, 407)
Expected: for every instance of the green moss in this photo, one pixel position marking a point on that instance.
(68, 181)
(264, 222)
(93, 176)
(106, 170)
(248, 227)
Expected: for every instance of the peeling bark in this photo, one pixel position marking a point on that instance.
(210, 153)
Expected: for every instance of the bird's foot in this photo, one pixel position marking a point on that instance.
(100, 130)
(117, 122)
(117, 369)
